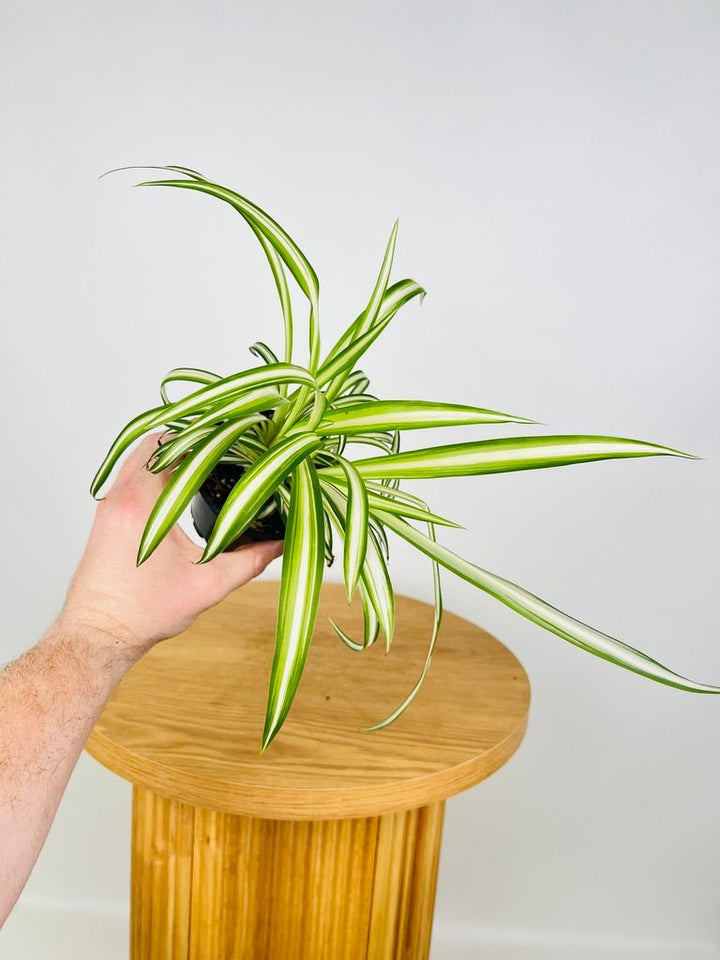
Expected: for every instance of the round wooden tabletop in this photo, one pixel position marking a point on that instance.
(186, 721)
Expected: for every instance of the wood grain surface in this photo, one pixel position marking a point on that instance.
(214, 885)
(186, 721)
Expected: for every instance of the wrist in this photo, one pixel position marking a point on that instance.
(101, 633)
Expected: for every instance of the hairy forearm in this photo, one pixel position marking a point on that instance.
(50, 699)
(114, 612)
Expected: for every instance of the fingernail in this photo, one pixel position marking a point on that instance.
(277, 547)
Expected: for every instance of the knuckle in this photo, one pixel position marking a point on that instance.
(259, 562)
(130, 500)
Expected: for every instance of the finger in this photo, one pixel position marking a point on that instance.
(136, 460)
(138, 483)
(241, 565)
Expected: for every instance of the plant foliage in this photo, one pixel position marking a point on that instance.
(288, 425)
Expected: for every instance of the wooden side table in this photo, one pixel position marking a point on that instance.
(326, 847)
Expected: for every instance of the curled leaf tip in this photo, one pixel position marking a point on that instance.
(132, 166)
(115, 170)
(205, 558)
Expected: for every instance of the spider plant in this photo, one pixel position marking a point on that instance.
(287, 427)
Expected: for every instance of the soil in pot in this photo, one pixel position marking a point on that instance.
(211, 496)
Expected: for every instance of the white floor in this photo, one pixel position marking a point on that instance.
(46, 929)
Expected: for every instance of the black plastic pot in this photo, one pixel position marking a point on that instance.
(211, 496)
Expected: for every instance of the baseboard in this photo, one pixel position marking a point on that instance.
(467, 941)
(66, 930)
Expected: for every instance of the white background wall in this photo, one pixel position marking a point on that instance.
(555, 170)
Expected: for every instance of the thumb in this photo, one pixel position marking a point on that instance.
(241, 565)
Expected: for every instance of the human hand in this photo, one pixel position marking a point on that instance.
(138, 606)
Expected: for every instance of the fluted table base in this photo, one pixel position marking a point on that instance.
(215, 885)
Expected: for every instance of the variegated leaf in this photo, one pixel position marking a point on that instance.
(542, 613)
(499, 456)
(408, 415)
(197, 402)
(263, 352)
(252, 402)
(437, 621)
(300, 586)
(370, 617)
(372, 310)
(254, 488)
(383, 498)
(356, 527)
(371, 624)
(375, 572)
(395, 297)
(186, 375)
(293, 257)
(184, 483)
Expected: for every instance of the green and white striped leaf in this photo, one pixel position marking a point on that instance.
(356, 527)
(395, 297)
(186, 375)
(328, 546)
(371, 624)
(500, 456)
(393, 483)
(186, 170)
(354, 400)
(357, 382)
(170, 450)
(410, 512)
(371, 440)
(331, 373)
(545, 615)
(241, 458)
(199, 401)
(398, 295)
(318, 410)
(258, 400)
(376, 531)
(375, 572)
(408, 415)
(437, 621)
(293, 257)
(185, 482)
(281, 285)
(152, 166)
(372, 310)
(263, 352)
(255, 486)
(300, 585)
(383, 498)
(253, 402)
(341, 361)
(249, 447)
